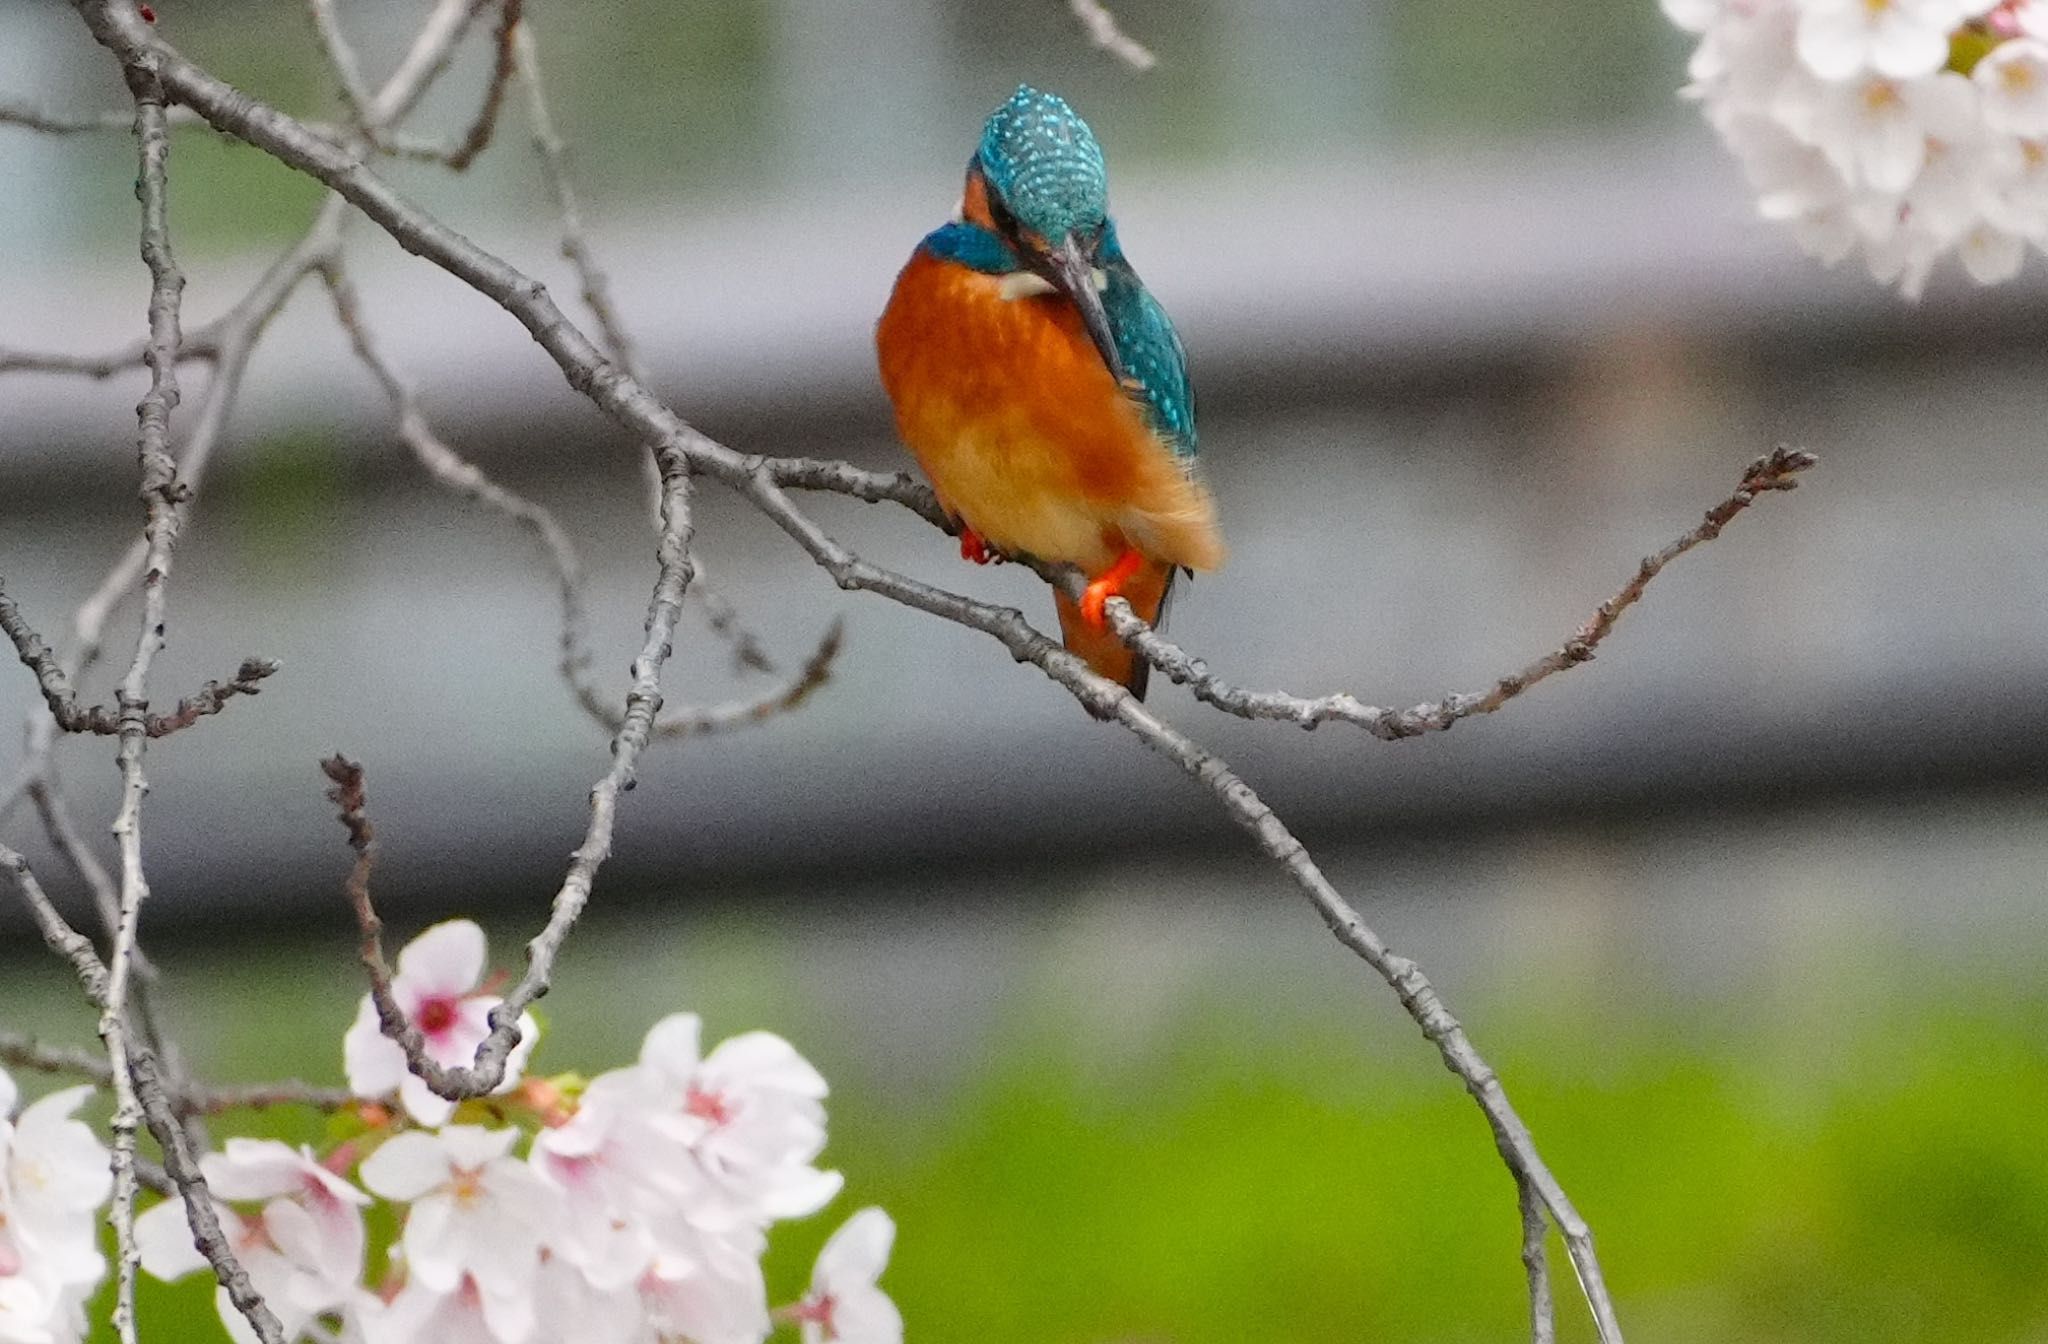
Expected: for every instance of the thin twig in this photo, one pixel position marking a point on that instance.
(479, 134)
(643, 705)
(634, 407)
(199, 344)
(433, 47)
(1105, 33)
(57, 932)
(724, 620)
(162, 500)
(1536, 1263)
(341, 57)
(264, 1096)
(553, 153)
(55, 815)
(57, 123)
(735, 714)
(104, 720)
(208, 1236)
(241, 328)
(26, 1052)
(464, 477)
(1775, 471)
(595, 290)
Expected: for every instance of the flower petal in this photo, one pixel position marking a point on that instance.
(446, 959)
(857, 1253)
(406, 1166)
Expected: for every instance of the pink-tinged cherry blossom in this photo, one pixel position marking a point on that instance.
(610, 1174)
(303, 1248)
(750, 1112)
(477, 1213)
(714, 1295)
(845, 1305)
(438, 987)
(567, 1306)
(468, 1313)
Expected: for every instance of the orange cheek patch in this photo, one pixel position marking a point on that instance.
(974, 202)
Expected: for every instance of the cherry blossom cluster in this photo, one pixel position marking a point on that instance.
(633, 1207)
(54, 1176)
(1907, 128)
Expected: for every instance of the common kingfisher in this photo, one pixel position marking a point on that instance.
(1043, 389)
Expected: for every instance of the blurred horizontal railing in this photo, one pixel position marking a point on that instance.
(1446, 405)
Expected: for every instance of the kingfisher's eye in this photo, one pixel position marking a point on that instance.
(1006, 223)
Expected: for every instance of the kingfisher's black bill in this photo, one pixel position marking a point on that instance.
(1074, 272)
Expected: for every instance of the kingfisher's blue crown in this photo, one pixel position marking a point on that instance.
(1042, 159)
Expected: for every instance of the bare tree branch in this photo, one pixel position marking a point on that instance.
(55, 123)
(1536, 1261)
(341, 57)
(433, 47)
(623, 398)
(465, 478)
(1775, 471)
(57, 932)
(1104, 32)
(197, 345)
(26, 1052)
(145, 1080)
(479, 134)
(735, 714)
(73, 717)
(643, 705)
(241, 328)
(162, 500)
(595, 289)
(182, 1166)
(610, 378)
(724, 620)
(78, 856)
(134, 1072)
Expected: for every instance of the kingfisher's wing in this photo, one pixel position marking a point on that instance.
(1153, 357)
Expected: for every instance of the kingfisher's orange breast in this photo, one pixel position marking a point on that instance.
(1023, 431)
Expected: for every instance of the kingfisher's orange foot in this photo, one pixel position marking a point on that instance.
(972, 547)
(1109, 583)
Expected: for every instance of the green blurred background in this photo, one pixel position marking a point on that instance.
(1747, 913)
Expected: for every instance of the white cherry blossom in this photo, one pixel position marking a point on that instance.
(1901, 39)
(1990, 254)
(750, 1112)
(1692, 15)
(477, 1212)
(53, 1179)
(715, 1296)
(844, 1303)
(2013, 194)
(634, 1209)
(303, 1249)
(437, 984)
(465, 1314)
(1863, 125)
(610, 1177)
(2014, 80)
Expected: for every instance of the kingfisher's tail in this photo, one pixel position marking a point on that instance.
(1105, 654)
